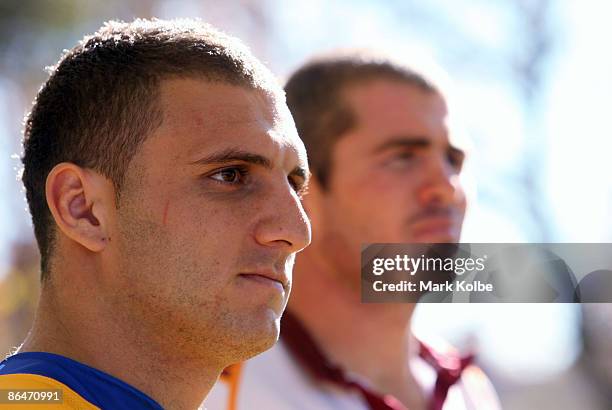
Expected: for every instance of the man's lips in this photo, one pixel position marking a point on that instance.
(435, 226)
(267, 278)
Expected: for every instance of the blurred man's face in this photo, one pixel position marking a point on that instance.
(394, 176)
(209, 221)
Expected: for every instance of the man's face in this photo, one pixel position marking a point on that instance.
(394, 176)
(209, 220)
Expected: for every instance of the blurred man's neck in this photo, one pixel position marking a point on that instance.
(372, 340)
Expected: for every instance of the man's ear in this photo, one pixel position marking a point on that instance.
(79, 200)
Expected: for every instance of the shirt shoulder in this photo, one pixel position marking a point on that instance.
(78, 380)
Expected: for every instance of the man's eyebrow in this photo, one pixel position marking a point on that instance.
(411, 142)
(234, 154)
(402, 142)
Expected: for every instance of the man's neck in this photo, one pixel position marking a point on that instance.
(371, 340)
(92, 334)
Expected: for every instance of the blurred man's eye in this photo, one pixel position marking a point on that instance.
(400, 159)
(455, 158)
(403, 156)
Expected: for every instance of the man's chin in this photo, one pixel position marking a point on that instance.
(256, 341)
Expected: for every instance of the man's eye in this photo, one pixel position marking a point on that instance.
(404, 156)
(232, 175)
(455, 159)
(400, 159)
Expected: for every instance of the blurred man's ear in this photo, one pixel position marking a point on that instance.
(79, 201)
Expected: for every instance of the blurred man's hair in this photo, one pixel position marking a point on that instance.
(315, 96)
(101, 100)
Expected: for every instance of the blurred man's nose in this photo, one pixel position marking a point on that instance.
(440, 183)
(284, 222)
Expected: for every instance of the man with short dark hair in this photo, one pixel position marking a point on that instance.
(386, 169)
(163, 172)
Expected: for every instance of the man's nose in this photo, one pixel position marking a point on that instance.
(284, 222)
(440, 184)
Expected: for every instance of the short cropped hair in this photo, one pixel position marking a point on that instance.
(100, 101)
(316, 101)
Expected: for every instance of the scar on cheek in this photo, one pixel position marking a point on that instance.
(165, 217)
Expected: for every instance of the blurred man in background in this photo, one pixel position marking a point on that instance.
(163, 172)
(386, 168)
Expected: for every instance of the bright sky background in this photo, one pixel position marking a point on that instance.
(564, 134)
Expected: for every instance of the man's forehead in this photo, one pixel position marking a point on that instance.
(208, 116)
(213, 104)
(284, 133)
(388, 110)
